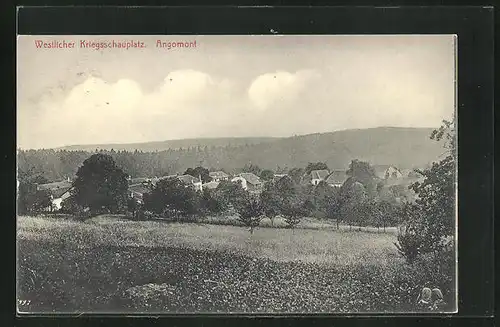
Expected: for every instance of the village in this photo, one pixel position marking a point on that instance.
(138, 186)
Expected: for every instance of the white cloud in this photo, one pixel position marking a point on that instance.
(97, 111)
(279, 88)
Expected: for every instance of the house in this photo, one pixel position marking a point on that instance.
(211, 185)
(191, 181)
(317, 176)
(139, 180)
(249, 181)
(414, 174)
(336, 178)
(54, 186)
(58, 191)
(393, 173)
(137, 192)
(387, 171)
(241, 180)
(380, 170)
(277, 177)
(155, 179)
(218, 176)
(59, 196)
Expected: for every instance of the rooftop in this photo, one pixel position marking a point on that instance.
(188, 179)
(319, 174)
(250, 178)
(218, 174)
(337, 177)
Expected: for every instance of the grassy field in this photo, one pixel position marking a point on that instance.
(109, 264)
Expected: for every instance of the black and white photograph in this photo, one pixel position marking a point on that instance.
(237, 174)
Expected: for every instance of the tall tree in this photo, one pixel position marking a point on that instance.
(296, 174)
(363, 172)
(432, 217)
(101, 185)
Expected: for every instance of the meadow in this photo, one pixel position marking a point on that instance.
(111, 264)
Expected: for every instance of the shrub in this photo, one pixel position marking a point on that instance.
(410, 242)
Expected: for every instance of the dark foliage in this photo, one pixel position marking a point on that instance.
(32, 201)
(172, 198)
(211, 202)
(432, 216)
(229, 194)
(100, 185)
(267, 175)
(270, 200)
(250, 211)
(199, 172)
(296, 174)
(293, 209)
(362, 172)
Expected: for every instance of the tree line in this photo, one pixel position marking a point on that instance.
(55, 165)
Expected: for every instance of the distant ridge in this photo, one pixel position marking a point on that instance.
(220, 141)
(404, 147)
(170, 144)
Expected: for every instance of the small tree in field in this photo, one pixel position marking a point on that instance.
(270, 201)
(332, 207)
(293, 210)
(250, 211)
(382, 214)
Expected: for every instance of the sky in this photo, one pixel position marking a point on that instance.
(229, 86)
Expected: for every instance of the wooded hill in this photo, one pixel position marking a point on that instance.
(401, 147)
